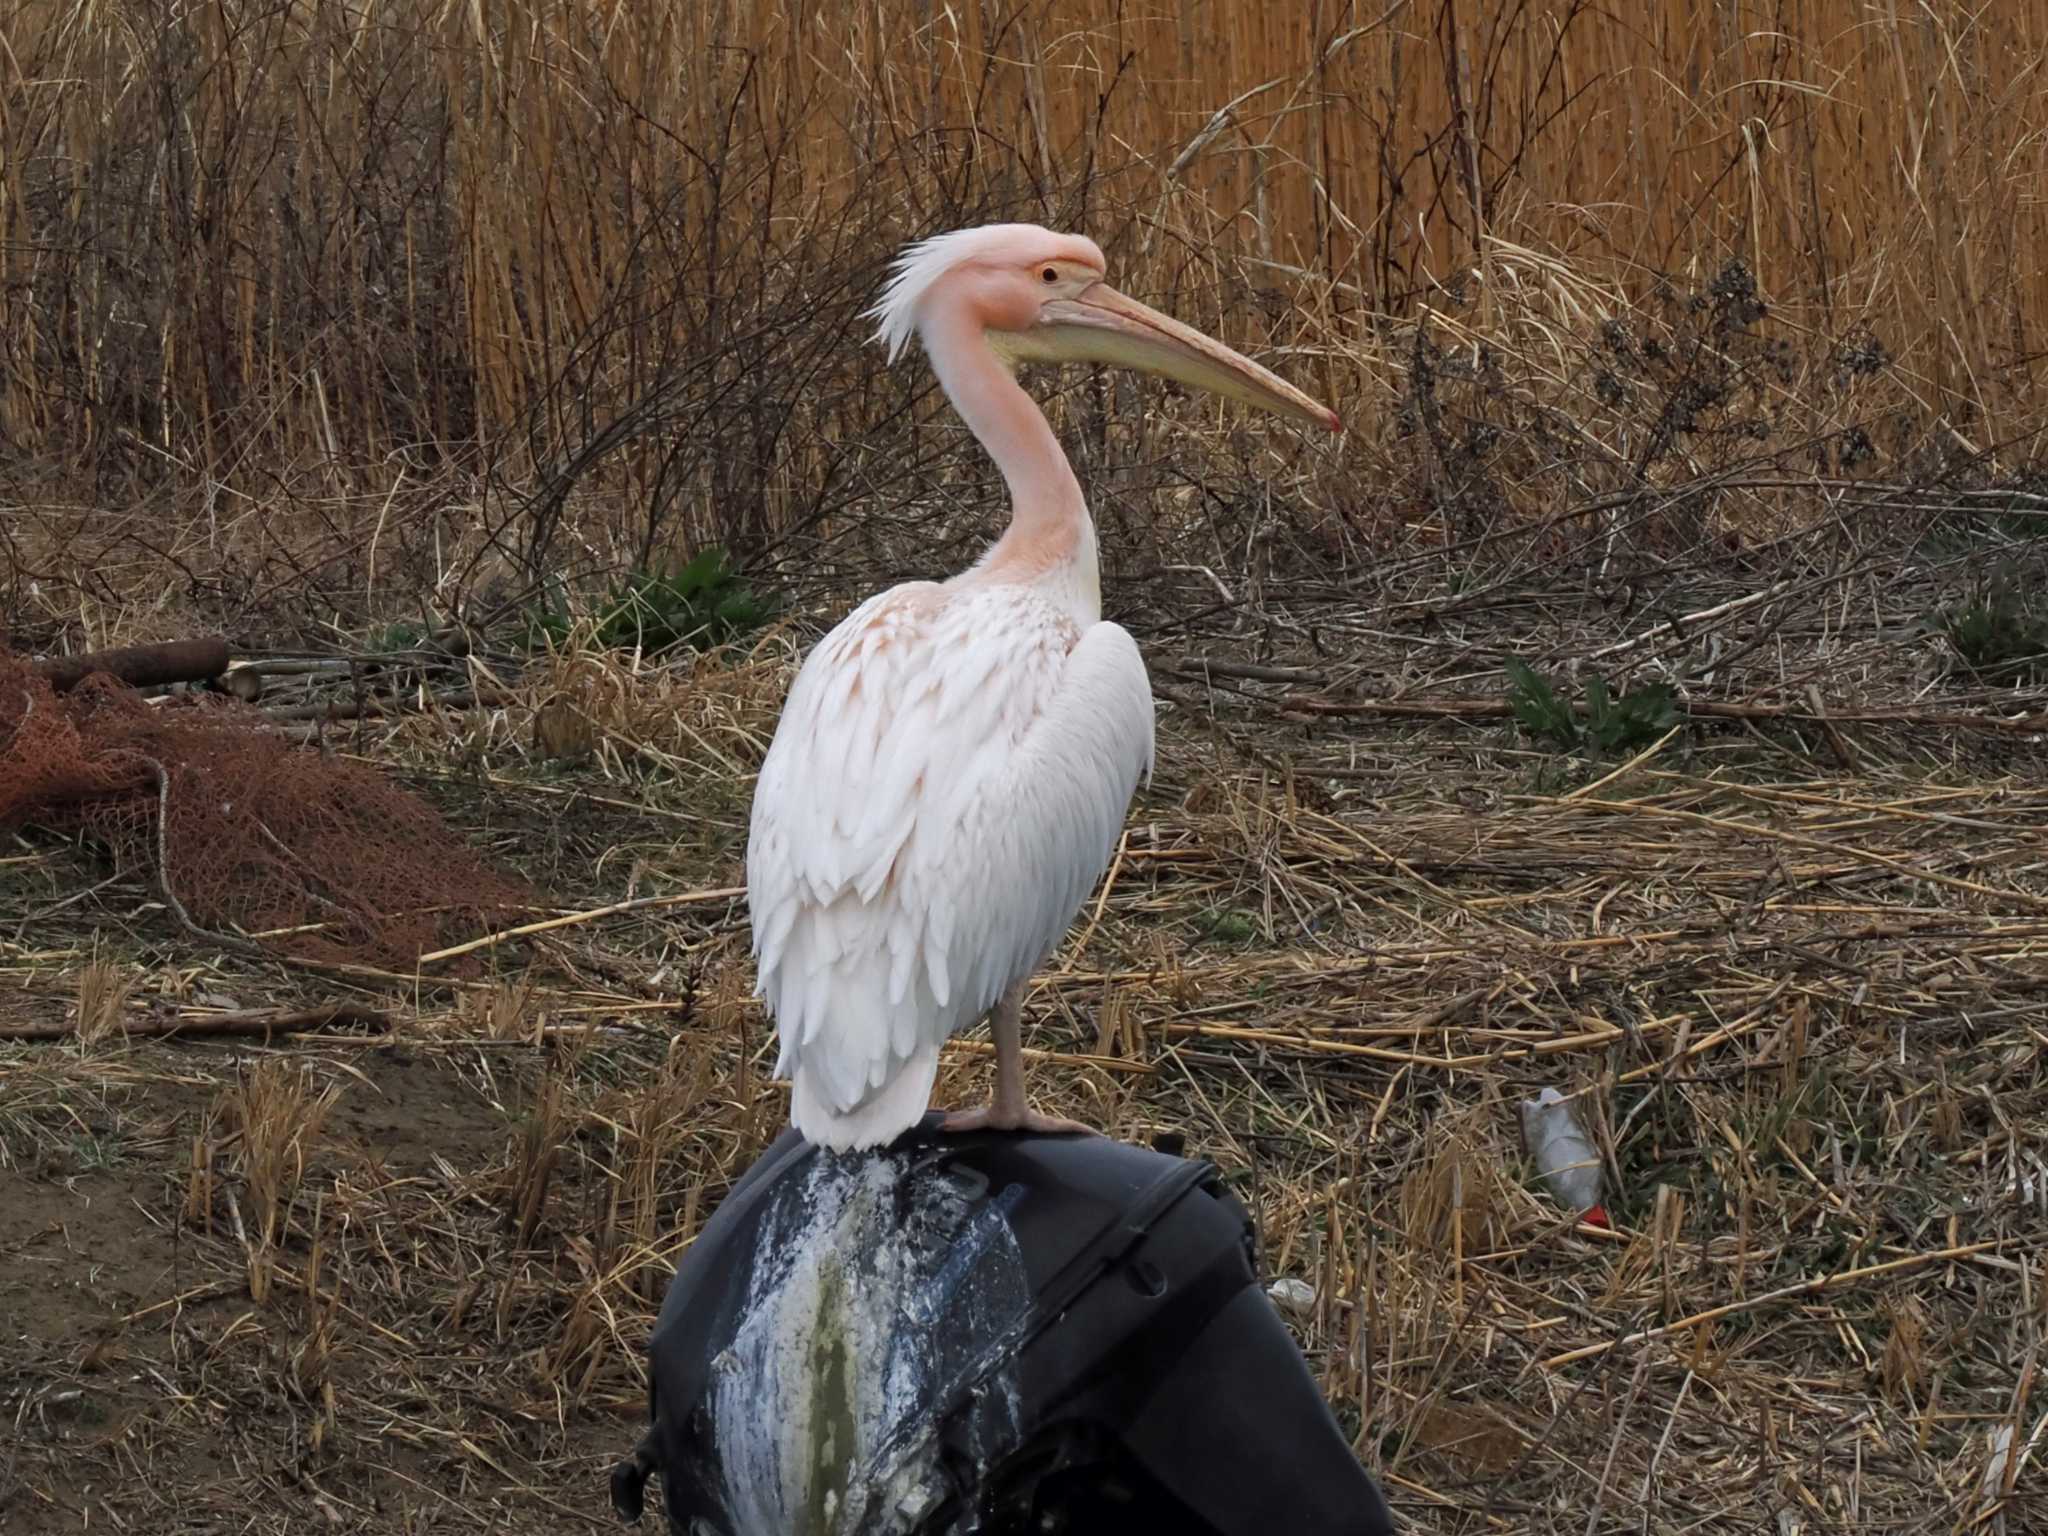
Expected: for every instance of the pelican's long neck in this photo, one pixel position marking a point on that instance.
(1050, 542)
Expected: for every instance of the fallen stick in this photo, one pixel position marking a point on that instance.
(1200, 668)
(1698, 709)
(378, 709)
(373, 707)
(1062, 1058)
(1783, 1293)
(1679, 626)
(1626, 768)
(253, 1021)
(140, 666)
(1519, 1051)
(570, 920)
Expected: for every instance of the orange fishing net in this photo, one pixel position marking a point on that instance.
(244, 832)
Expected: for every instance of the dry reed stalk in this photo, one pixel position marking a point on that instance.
(1804, 1288)
(571, 919)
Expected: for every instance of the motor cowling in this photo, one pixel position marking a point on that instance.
(985, 1333)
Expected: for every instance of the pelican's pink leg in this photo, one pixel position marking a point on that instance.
(1009, 1112)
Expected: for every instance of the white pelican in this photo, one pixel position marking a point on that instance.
(953, 765)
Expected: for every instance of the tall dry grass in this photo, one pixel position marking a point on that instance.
(285, 268)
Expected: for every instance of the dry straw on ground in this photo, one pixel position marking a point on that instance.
(1802, 1002)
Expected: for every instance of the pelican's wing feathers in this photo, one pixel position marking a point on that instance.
(946, 784)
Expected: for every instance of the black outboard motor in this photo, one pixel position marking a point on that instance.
(991, 1334)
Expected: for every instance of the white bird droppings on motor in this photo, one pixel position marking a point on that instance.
(877, 1289)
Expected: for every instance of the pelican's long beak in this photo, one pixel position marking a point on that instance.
(1104, 326)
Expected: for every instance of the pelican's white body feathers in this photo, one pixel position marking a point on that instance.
(946, 784)
(955, 759)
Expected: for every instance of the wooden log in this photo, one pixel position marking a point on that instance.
(141, 666)
(255, 1021)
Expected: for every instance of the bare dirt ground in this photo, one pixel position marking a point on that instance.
(1793, 943)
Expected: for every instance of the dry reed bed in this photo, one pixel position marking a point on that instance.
(1803, 1002)
(311, 302)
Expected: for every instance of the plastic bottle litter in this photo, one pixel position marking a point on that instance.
(1293, 1296)
(1564, 1154)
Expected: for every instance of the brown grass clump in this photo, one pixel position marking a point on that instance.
(534, 1149)
(650, 1126)
(1449, 1204)
(274, 1115)
(105, 986)
(503, 1011)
